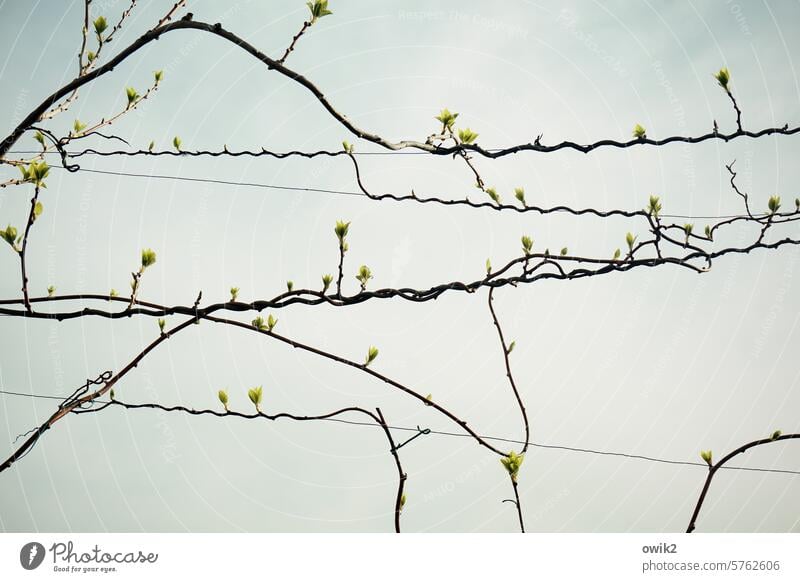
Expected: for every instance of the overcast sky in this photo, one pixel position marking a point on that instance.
(657, 362)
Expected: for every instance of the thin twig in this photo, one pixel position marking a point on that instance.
(712, 470)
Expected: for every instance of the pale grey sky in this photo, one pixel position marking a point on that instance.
(659, 362)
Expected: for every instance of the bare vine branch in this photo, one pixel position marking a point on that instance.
(712, 470)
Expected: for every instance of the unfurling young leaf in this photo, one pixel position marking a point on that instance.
(372, 353)
(708, 232)
(38, 208)
(364, 275)
(527, 244)
(9, 235)
(35, 173)
(774, 204)
(488, 266)
(90, 56)
(148, 258)
(639, 132)
(258, 323)
(113, 293)
(161, 324)
(318, 8)
(38, 136)
(687, 229)
(255, 395)
(326, 282)
(466, 135)
(616, 254)
(493, 195)
(348, 147)
(234, 293)
(512, 462)
(176, 141)
(132, 95)
(223, 398)
(447, 119)
(341, 229)
(271, 322)
(158, 75)
(519, 194)
(631, 240)
(100, 25)
(51, 290)
(706, 456)
(78, 127)
(723, 77)
(654, 206)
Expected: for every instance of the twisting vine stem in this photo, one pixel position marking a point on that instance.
(668, 243)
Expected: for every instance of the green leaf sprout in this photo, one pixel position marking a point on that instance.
(723, 77)
(512, 462)
(132, 95)
(372, 353)
(10, 235)
(318, 8)
(223, 398)
(447, 119)
(467, 136)
(364, 275)
(527, 244)
(630, 240)
(148, 258)
(35, 173)
(341, 229)
(774, 204)
(100, 25)
(687, 229)
(519, 194)
(654, 206)
(271, 322)
(255, 395)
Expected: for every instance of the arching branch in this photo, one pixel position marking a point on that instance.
(712, 470)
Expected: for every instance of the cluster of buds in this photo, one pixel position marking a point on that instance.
(512, 462)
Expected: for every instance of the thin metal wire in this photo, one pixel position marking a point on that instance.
(323, 190)
(500, 439)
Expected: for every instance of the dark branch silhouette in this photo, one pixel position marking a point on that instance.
(712, 470)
